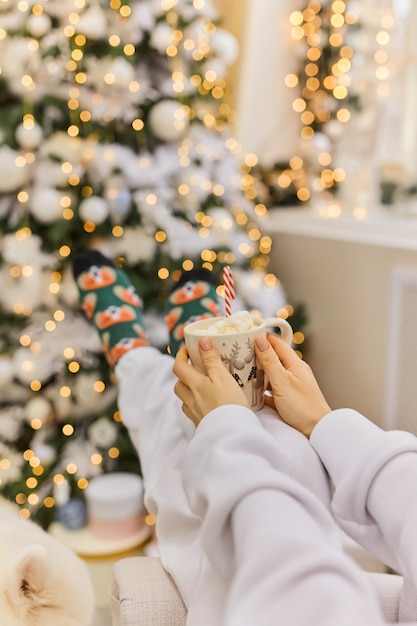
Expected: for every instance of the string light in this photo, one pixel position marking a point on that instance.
(324, 84)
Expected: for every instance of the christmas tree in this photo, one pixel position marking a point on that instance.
(115, 135)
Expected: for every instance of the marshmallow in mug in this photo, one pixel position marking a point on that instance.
(234, 339)
(240, 321)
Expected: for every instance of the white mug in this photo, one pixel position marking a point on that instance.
(237, 352)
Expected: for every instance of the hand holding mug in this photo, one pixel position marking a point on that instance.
(234, 338)
(201, 392)
(296, 393)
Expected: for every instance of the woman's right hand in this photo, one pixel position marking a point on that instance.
(296, 393)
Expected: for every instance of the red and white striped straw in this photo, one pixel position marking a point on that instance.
(229, 289)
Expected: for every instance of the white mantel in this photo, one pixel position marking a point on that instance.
(382, 227)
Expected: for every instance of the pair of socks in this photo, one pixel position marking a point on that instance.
(111, 303)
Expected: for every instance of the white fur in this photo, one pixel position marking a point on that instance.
(42, 582)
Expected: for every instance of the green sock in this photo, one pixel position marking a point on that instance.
(109, 300)
(194, 298)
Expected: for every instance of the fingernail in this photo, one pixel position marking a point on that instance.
(262, 343)
(205, 343)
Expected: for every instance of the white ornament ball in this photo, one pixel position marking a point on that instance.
(224, 45)
(29, 138)
(161, 37)
(93, 23)
(223, 225)
(84, 391)
(102, 432)
(6, 371)
(94, 209)
(12, 176)
(123, 72)
(45, 453)
(25, 290)
(38, 25)
(45, 204)
(29, 367)
(168, 120)
(38, 408)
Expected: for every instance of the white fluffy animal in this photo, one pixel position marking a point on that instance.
(42, 583)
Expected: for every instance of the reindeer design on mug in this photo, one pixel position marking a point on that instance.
(236, 365)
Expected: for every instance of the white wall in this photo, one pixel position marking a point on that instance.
(266, 123)
(345, 287)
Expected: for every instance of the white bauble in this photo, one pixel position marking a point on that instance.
(161, 37)
(29, 366)
(45, 453)
(11, 175)
(123, 71)
(64, 147)
(334, 129)
(49, 173)
(224, 45)
(119, 199)
(26, 251)
(6, 371)
(102, 432)
(84, 392)
(195, 178)
(38, 408)
(23, 290)
(29, 138)
(223, 226)
(93, 23)
(318, 144)
(38, 25)
(94, 209)
(45, 204)
(168, 120)
(136, 244)
(215, 65)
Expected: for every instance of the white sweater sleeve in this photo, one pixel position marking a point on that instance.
(375, 478)
(275, 544)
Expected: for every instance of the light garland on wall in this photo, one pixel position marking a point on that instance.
(332, 84)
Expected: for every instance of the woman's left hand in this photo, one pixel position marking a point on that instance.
(202, 393)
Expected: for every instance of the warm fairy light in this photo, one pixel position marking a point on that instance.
(187, 265)
(160, 236)
(65, 391)
(383, 38)
(163, 273)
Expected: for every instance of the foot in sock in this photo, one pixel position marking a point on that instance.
(109, 300)
(194, 298)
